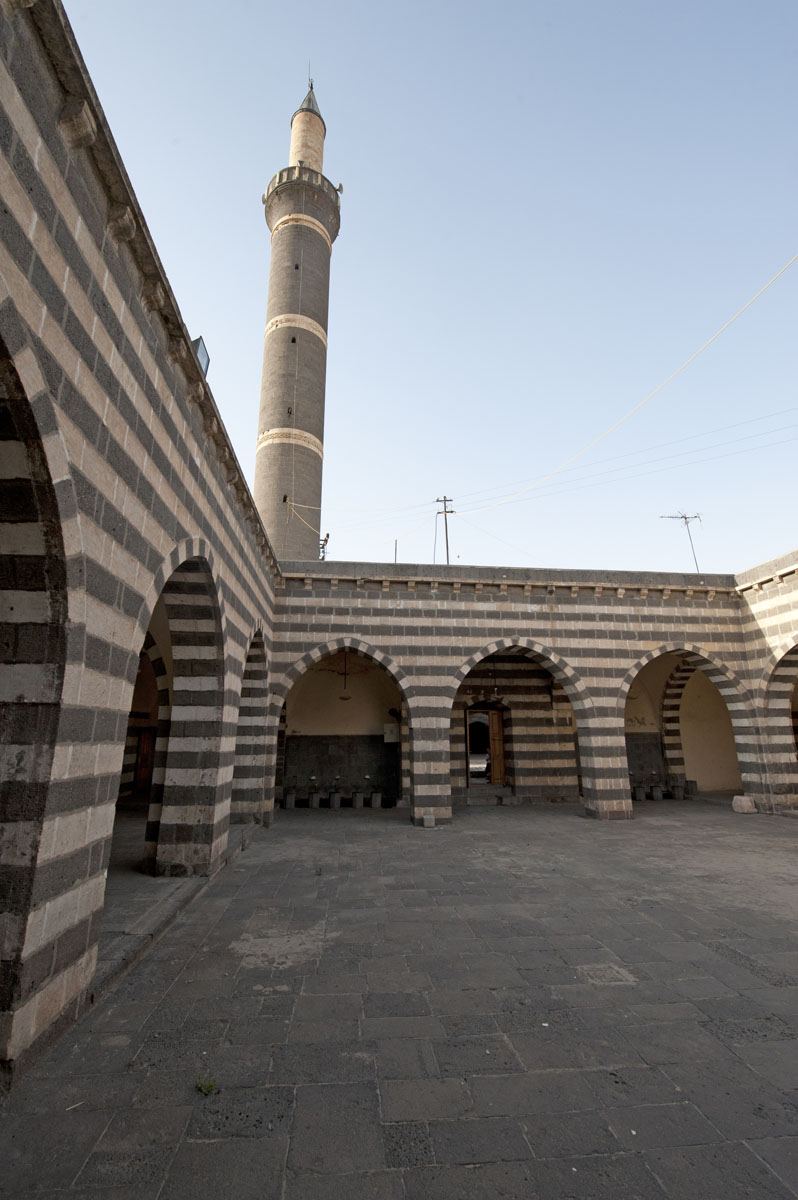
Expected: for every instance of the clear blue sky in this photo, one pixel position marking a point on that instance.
(547, 208)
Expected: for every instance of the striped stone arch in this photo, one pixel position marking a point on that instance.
(781, 673)
(249, 768)
(565, 675)
(736, 696)
(181, 552)
(193, 821)
(282, 686)
(780, 735)
(33, 396)
(726, 681)
(34, 652)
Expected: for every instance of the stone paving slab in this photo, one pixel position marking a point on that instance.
(523, 1004)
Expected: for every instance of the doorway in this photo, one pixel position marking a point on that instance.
(485, 746)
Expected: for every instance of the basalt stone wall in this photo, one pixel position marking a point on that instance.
(769, 595)
(340, 763)
(430, 626)
(124, 481)
(120, 488)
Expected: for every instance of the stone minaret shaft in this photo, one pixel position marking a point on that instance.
(302, 212)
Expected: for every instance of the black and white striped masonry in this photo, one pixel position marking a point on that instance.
(131, 552)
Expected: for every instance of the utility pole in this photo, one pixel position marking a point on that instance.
(446, 513)
(686, 520)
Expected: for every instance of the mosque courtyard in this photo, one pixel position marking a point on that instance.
(526, 1003)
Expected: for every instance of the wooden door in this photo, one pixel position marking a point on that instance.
(145, 760)
(496, 748)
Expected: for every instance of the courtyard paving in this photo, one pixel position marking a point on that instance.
(524, 1004)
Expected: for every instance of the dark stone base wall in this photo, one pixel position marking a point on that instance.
(342, 764)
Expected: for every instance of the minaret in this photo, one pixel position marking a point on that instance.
(302, 212)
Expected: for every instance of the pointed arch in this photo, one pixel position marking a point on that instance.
(281, 687)
(727, 682)
(184, 551)
(562, 671)
(193, 819)
(380, 765)
(33, 649)
(736, 696)
(782, 665)
(533, 753)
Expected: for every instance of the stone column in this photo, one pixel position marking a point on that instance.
(429, 761)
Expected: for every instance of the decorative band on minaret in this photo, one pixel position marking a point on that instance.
(302, 212)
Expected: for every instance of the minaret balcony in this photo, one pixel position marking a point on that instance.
(300, 174)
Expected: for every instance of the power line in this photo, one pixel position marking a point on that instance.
(621, 420)
(575, 486)
(621, 472)
(690, 437)
(666, 458)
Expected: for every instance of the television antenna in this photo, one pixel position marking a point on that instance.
(683, 517)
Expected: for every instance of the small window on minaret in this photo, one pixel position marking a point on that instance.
(293, 340)
(296, 266)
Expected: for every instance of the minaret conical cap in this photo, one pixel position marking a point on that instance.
(309, 105)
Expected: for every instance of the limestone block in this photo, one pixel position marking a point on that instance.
(335, 799)
(376, 799)
(428, 821)
(290, 800)
(77, 123)
(357, 800)
(743, 804)
(656, 792)
(315, 799)
(9, 7)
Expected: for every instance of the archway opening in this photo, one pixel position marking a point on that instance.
(679, 735)
(342, 739)
(485, 744)
(33, 650)
(169, 819)
(134, 838)
(131, 894)
(138, 767)
(513, 735)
